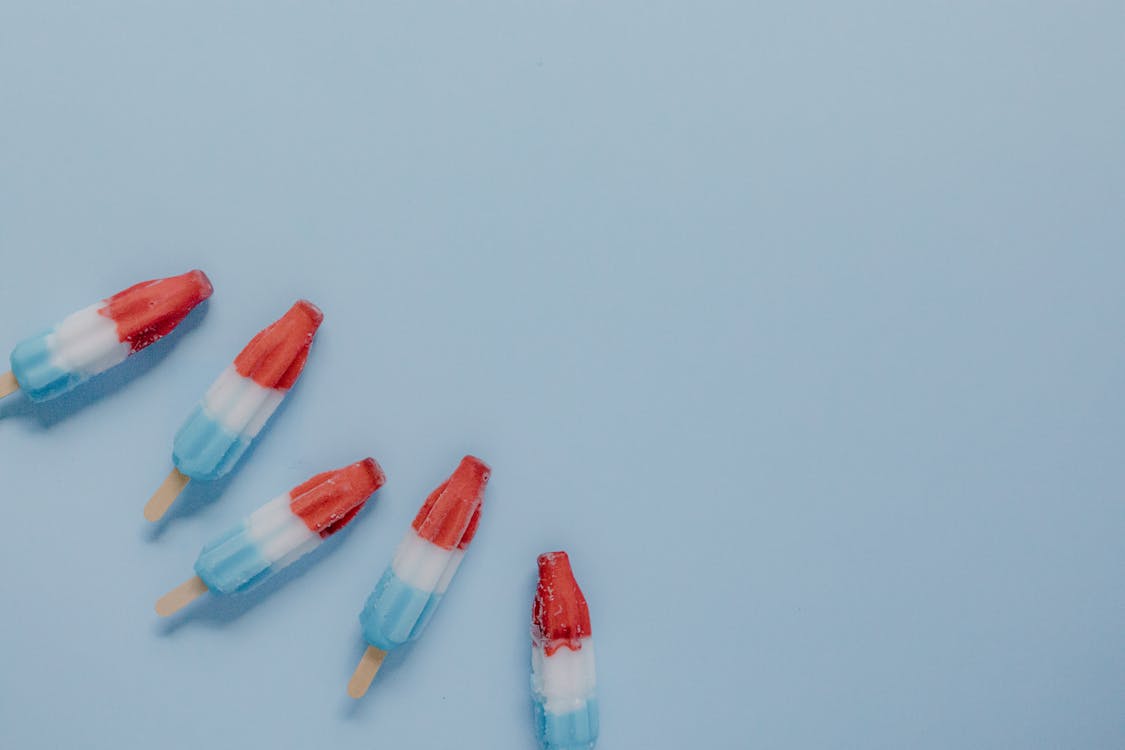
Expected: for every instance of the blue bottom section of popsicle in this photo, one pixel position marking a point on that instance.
(574, 730)
(396, 612)
(231, 562)
(204, 449)
(38, 378)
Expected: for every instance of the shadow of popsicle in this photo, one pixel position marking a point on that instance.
(47, 414)
(351, 708)
(219, 610)
(198, 494)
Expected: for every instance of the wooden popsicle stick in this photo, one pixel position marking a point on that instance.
(165, 495)
(365, 671)
(181, 596)
(8, 384)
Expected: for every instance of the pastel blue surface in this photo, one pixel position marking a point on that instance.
(231, 562)
(204, 449)
(38, 378)
(574, 730)
(396, 612)
(798, 325)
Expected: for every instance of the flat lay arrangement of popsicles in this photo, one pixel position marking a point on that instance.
(218, 432)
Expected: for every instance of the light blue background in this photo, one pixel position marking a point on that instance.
(799, 326)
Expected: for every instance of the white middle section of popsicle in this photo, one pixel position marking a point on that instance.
(280, 535)
(239, 404)
(86, 342)
(565, 679)
(424, 565)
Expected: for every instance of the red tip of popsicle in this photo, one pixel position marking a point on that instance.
(148, 311)
(328, 501)
(559, 616)
(275, 357)
(450, 514)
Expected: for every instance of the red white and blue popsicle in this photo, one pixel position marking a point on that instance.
(239, 403)
(562, 660)
(413, 584)
(278, 533)
(102, 335)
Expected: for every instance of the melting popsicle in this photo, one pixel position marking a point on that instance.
(102, 335)
(238, 404)
(278, 533)
(413, 584)
(562, 660)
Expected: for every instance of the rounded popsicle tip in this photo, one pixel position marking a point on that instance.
(552, 564)
(559, 616)
(330, 500)
(309, 311)
(276, 356)
(203, 285)
(450, 514)
(374, 471)
(473, 468)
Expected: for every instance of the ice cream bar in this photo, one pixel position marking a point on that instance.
(278, 533)
(562, 660)
(102, 335)
(411, 588)
(237, 406)
(246, 394)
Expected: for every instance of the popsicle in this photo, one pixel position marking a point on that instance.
(413, 584)
(102, 335)
(238, 404)
(277, 534)
(562, 660)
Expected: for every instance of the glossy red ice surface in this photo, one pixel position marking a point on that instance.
(328, 501)
(148, 311)
(275, 357)
(559, 616)
(450, 514)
